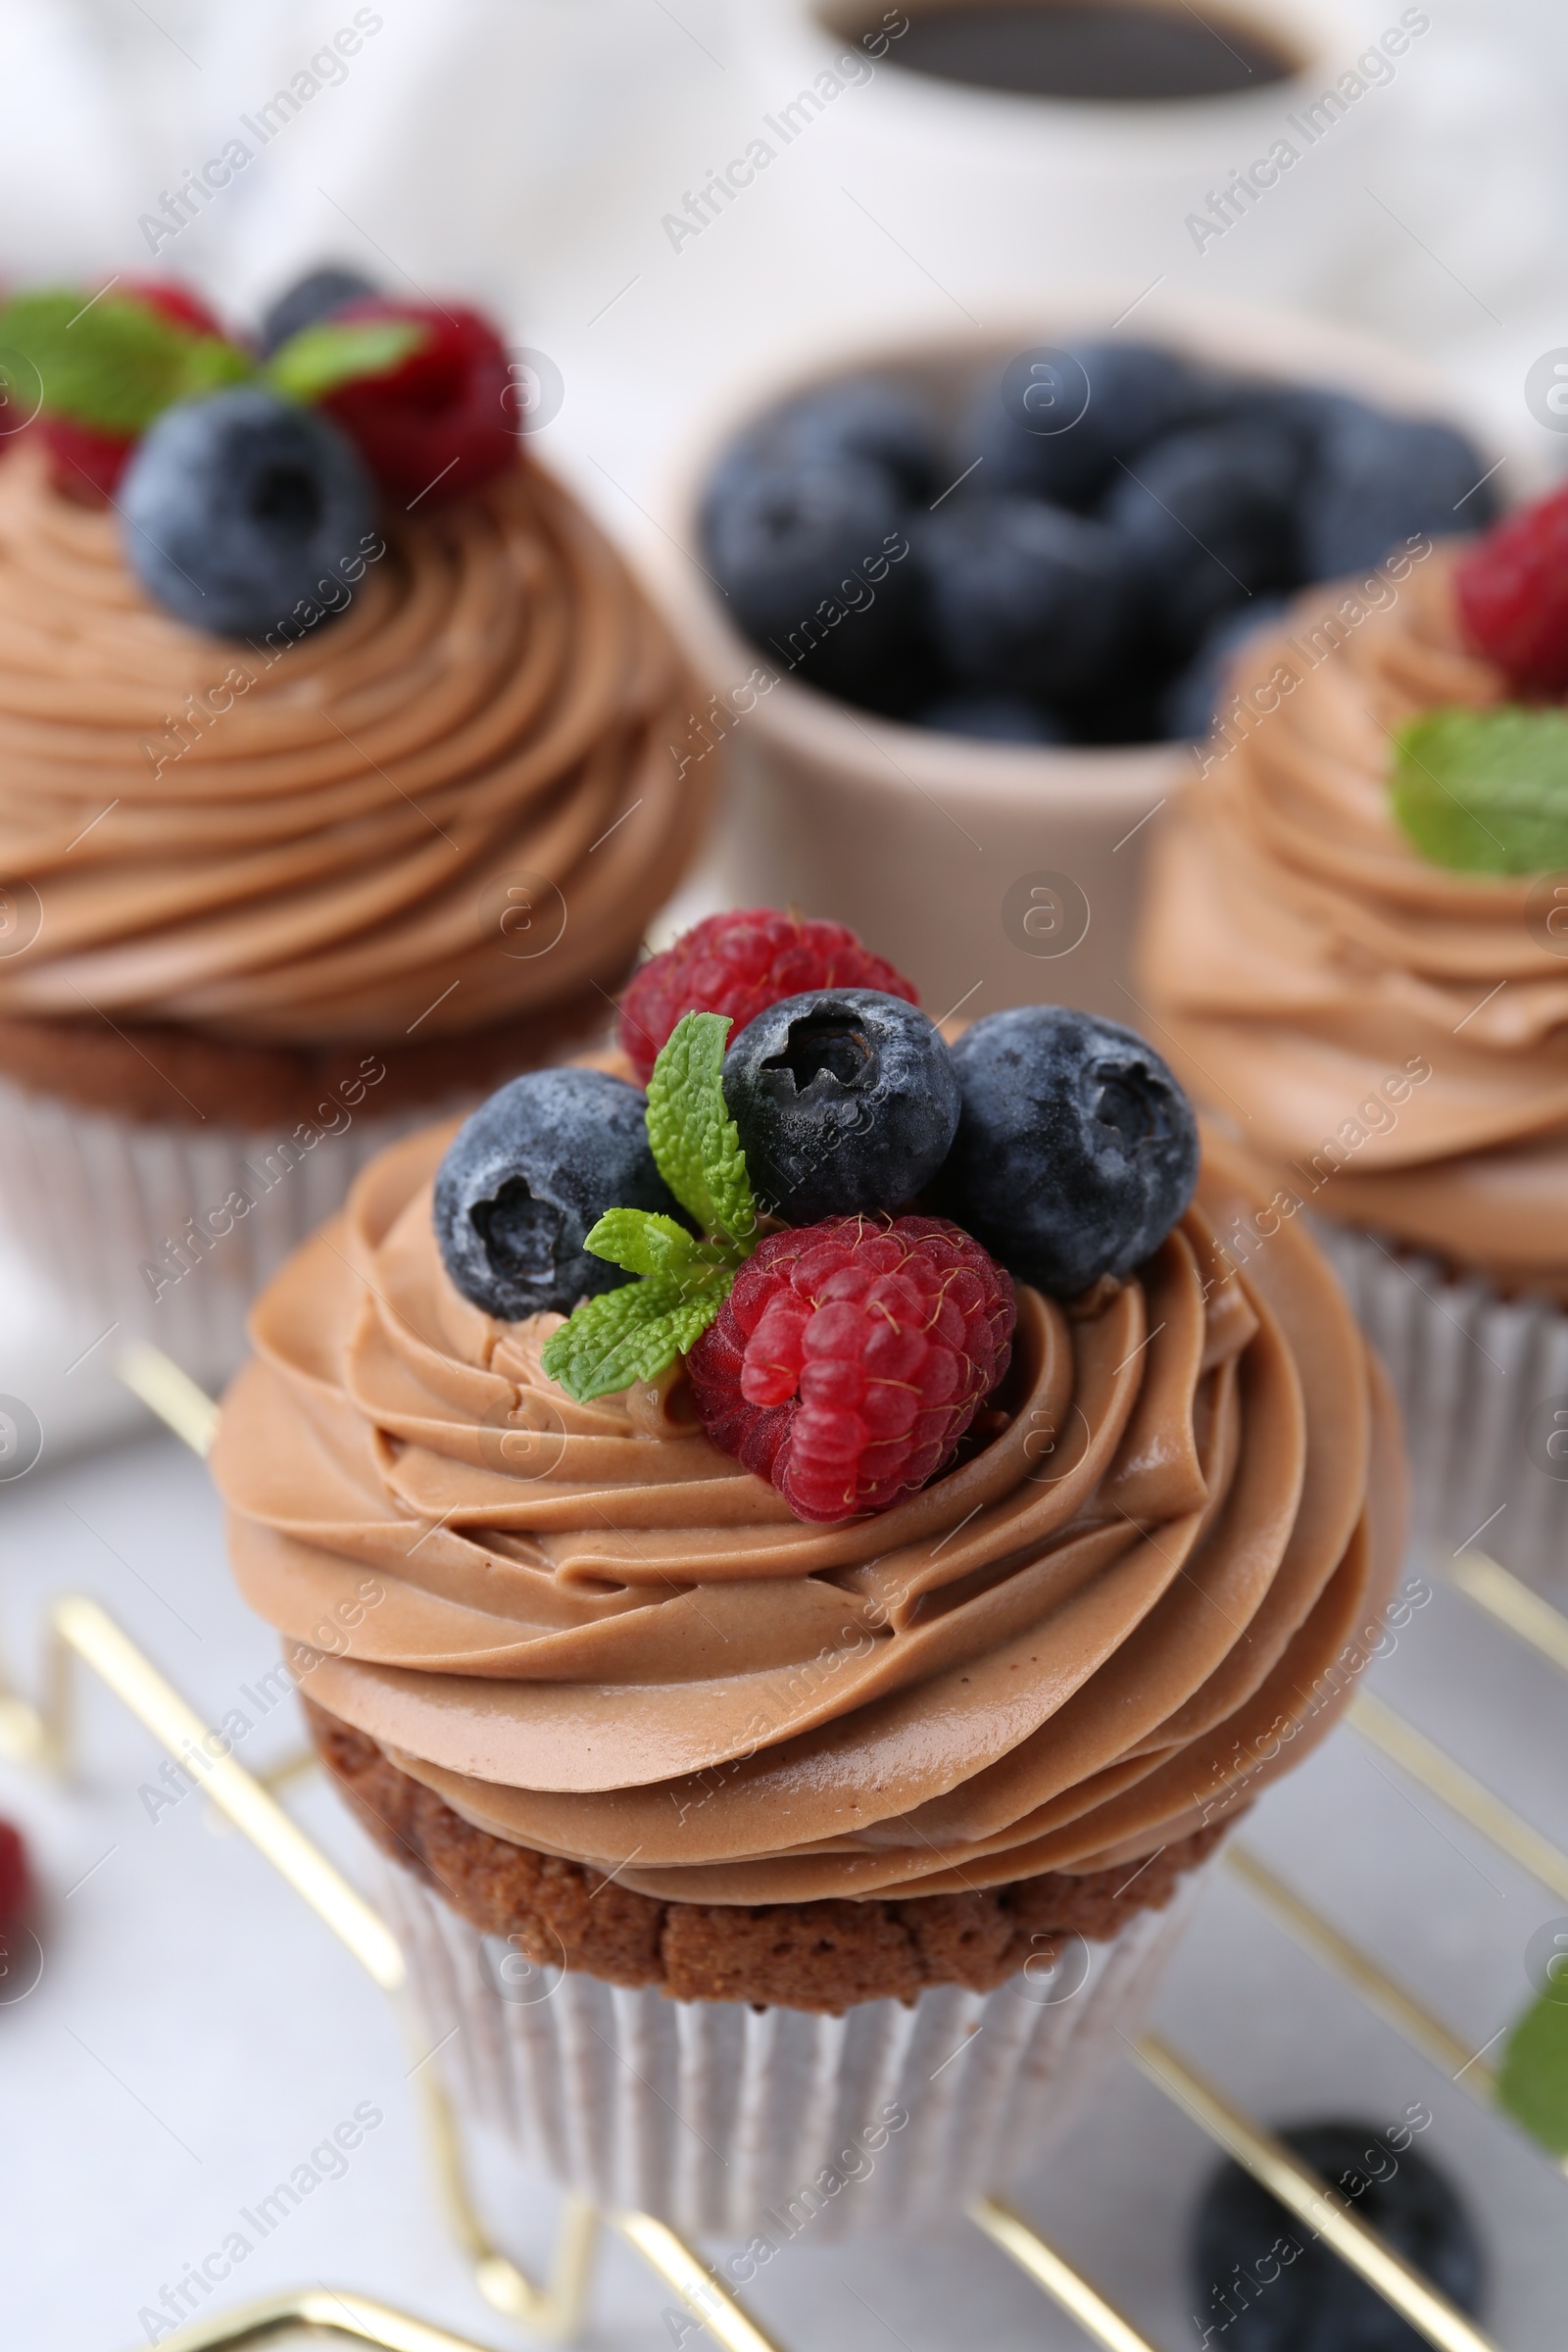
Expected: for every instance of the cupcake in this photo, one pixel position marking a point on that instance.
(800, 1649)
(1353, 954)
(337, 787)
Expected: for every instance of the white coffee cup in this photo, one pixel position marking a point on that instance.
(995, 194)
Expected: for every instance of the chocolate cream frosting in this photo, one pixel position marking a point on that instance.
(297, 842)
(1144, 1588)
(1389, 1035)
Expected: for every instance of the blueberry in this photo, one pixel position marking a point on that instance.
(315, 296)
(867, 417)
(845, 1099)
(237, 508)
(528, 1176)
(1306, 412)
(811, 554)
(1137, 392)
(1259, 2296)
(1189, 703)
(1380, 479)
(993, 718)
(1024, 599)
(1126, 708)
(1076, 1150)
(1205, 519)
(1284, 422)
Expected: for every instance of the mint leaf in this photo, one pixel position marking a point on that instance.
(632, 1334)
(334, 352)
(114, 363)
(635, 1333)
(1533, 2078)
(1486, 791)
(645, 1243)
(693, 1137)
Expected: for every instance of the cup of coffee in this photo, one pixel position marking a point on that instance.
(1105, 52)
(1003, 144)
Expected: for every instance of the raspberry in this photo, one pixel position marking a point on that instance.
(851, 1356)
(439, 422)
(173, 300)
(84, 464)
(741, 963)
(1512, 592)
(16, 1879)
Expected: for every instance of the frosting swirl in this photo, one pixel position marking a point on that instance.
(297, 842)
(1142, 1590)
(1391, 1035)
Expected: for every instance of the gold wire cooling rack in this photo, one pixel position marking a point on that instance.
(42, 1734)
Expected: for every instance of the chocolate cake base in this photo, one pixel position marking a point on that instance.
(162, 1074)
(825, 1956)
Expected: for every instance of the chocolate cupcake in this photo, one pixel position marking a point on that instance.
(1353, 952)
(830, 1642)
(286, 871)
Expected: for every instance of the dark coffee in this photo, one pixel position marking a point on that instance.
(1117, 49)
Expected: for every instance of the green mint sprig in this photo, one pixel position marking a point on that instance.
(114, 364)
(694, 1140)
(334, 352)
(1533, 2078)
(1486, 792)
(636, 1332)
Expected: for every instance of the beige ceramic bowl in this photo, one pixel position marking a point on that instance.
(992, 874)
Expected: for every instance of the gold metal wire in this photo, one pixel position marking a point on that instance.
(1492, 1588)
(1380, 1991)
(683, 2271)
(1300, 2191)
(556, 2311)
(272, 1777)
(81, 1628)
(39, 1736)
(1461, 1792)
(171, 1393)
(324, 2311)
(1099, 2320)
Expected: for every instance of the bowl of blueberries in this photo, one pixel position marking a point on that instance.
(967, 608)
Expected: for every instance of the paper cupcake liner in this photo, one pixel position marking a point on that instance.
(1480, 1381)
(731, 2120)
(110, 1211)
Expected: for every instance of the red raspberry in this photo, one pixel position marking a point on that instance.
(171, 300)
(84, 462)
(16, 1879)
(439, 422)
(741, 963)
(851, 1356)
(1513, 594)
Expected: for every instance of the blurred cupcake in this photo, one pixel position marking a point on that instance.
(824, 1644)
(1354, 955)
(336, 777)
